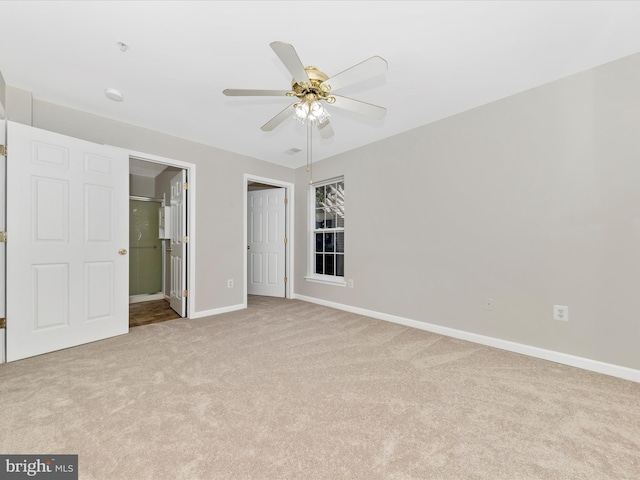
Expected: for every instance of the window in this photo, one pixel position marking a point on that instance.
(327, 231)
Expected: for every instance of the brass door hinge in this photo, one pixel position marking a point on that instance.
(185, 239)
(286, 201)
(185, 185)
(185, 293)
(286, 279)
(285, 240)
(3, 323)
(3, 150)
(3, 237)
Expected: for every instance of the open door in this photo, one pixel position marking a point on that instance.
(3, 199)
(266, 237)
(67, 224)
(178, 245)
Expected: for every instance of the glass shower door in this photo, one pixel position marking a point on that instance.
(145, 262)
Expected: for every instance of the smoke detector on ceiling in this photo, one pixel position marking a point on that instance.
(114, 94)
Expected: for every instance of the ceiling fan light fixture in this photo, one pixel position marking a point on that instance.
(301, 111)
(312, 112)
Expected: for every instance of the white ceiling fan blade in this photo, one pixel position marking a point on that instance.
(239, 92)
(357, 106)
(358, 73)
(325, 129)
(278, 119)
(287, 55)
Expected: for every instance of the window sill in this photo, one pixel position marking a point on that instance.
(339, 282)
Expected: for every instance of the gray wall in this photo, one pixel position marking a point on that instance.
(220, 192)
(533, 200)
(3, 96)
(142, 186)
(18, 105)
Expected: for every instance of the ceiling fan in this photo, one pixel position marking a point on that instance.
(311, 88)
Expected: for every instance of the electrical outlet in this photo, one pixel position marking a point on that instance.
(560, 312)
(488, 303)
(230, 283)
(350, 283)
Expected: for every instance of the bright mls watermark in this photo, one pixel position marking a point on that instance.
(49, 467)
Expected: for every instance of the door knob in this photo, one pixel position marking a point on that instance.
(122, 251)
(169, 249)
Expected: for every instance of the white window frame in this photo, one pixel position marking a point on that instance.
(312, 230)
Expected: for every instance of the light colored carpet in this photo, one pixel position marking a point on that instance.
(292, 390)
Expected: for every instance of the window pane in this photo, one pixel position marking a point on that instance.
(329, 245)
(340, 242)
(319, 197)
(318, 242)
(340, 218)
(340, 265)
(331, 194)
(319, 218)
(330, 219)
(329, 259)
(319, 264)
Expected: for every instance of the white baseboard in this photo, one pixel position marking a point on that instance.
(558, 357)
(146, 297)
(3, 355)
(218, 311)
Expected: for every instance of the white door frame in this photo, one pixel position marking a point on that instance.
(191, 218)
(289, 229)
(3, 246)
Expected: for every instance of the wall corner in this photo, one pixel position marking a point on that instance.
(19, 105)
(3, 96)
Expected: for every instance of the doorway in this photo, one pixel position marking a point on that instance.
(157, 225)
(268, 233)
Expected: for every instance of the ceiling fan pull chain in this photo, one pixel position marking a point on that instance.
(309, 159)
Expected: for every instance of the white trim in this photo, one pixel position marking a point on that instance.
(218, 311)
(3, 246)
(327, 281)
(625, 373)
(191, 218)
(145, 297)
(322, 183)
(311, 276)
(289, 229)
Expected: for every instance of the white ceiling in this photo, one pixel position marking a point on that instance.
(444, 57)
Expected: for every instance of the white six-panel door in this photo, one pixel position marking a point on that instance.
(178, 257)
(67, 218)
(266, 262)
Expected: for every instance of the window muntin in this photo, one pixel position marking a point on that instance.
(328, 230)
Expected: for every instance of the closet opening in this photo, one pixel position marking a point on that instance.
(151, 209)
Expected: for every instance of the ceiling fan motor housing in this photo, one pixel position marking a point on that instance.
(315, 91)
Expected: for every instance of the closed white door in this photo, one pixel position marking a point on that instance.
(266, 239)
(67, 224)
(178, 247)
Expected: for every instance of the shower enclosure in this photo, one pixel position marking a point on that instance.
(145, 262)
